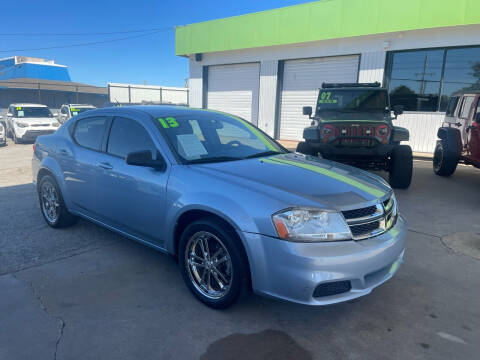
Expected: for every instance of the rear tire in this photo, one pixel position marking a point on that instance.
(444, 162)
(401, 167)
(52, 205)
(305, 148)
(233, 272)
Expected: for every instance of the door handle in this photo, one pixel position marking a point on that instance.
(105, 165)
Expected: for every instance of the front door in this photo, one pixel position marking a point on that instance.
(131, 198)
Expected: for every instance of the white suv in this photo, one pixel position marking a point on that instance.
(3, 135)
(27, 121)
(69, 110)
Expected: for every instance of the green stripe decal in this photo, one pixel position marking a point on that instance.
(345, 179)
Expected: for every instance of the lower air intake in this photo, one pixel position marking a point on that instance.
(332, 288)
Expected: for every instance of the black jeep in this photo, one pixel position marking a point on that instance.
(353, 125)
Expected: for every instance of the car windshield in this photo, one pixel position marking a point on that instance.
(22, 111)
(214, 137)
(352, 100)
(78, 110)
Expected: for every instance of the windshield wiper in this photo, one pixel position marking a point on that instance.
(265, 153)
(213, 159)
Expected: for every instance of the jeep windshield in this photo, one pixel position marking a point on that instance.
(339, 103)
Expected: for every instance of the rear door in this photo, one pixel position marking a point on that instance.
(131, 198)
(464, 115)
(473, 134)
(79, 163)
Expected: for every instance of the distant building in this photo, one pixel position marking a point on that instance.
(36, 80)
(19, 67)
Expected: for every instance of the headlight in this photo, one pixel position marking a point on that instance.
(20, 124)
(311, 225)
(56, 124)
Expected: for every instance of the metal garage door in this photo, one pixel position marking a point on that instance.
(234, 89)
(301, 81)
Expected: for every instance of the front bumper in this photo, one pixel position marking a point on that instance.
(332, 151)
(292, 271)
(31, 135)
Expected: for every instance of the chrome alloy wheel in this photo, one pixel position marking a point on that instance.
(50, 202)
(209, 265)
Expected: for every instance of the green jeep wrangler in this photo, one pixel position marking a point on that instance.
(353, 125)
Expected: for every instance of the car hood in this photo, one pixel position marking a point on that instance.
(323, 182)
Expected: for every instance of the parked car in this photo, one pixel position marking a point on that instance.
(232, 205)
(69, 110)
(353, 125)
(459, 136)
(27, 121)
(3, 134)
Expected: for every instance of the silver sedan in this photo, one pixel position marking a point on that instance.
(234, 207)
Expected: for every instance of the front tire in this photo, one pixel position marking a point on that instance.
(444, 162)
(52, 205)
(401, 167)
(305, 148)
(213, 263)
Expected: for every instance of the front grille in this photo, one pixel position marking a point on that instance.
(357, 213)
(332, 288)
(373, 220)
(359, 230)
(361, 135)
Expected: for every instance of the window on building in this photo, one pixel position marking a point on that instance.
(424, 80)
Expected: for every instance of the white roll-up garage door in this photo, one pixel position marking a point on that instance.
(234, 89)
(301, 80)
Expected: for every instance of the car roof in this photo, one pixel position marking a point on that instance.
(79, 105)
(156, 110)
(28, 105)
(354, 88)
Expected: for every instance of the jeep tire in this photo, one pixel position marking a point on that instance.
(305, 148)
(444, 161)
(401, 167)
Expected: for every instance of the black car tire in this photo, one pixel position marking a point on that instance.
(64, 218)
(305, 148)
(239, 280)
(444, 162)
(15, 139)
(401, 167)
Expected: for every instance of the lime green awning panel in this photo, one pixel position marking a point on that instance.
(322, 20)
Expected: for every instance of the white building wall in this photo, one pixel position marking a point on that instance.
(267, 96)
(372, 66)
(423, 126)
(195, 85)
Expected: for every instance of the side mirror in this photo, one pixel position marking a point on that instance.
(307, 110)
(145, 158)
(397, 110)
(9, 114)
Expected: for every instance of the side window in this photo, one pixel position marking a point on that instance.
(128, 136)
(89, 132)
(466, 107)
(62, 110)
(452, 105)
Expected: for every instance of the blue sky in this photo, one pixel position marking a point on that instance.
(151, 58)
